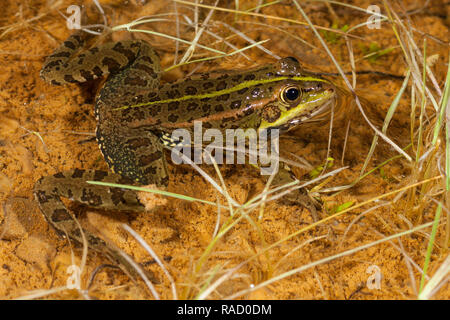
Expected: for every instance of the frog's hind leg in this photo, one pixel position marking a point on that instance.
(72, 185)
(126, 134)
(73, 63)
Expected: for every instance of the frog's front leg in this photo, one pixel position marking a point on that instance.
(72, 185)
(284, 176)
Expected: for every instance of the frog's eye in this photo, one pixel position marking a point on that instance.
(290, 94)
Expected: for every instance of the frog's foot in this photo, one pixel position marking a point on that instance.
(151, 200)
(300, 197)
(72, 185)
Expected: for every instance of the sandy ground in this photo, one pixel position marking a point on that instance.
(32, 256)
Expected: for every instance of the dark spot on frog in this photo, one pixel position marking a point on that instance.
(207, 125)
(138, 142)
(243, 90)
(97, 71)
(60, 215)
(237, 78)
(111, 64)
(77, 173)
(117, 196)
(164, 181)
(192, 106)
(69, 78)
(172, 94)
(91, 198)
(221, 86)
(248, 110)
(208, 85)
(152, 96)
(69, 44)
(147, 59)
(138, 99)
(190, 91)
(150, 171)
(172, 118)
(135, 81)
(62, 54)
(236, 104)
(86, 74)
(99, 175)
(124, 180)
(149, 158)
(223, 97)
(249, 77)
(174, 105)
(95, 241)
(155, 110)
(59, 175)
(51, 65)
(256, 92)
(77, 38)
(41, 195)
(145, 68)
(206, 108)
(129, 54)
(228, 119)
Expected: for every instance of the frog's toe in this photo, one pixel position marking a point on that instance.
(299, 197)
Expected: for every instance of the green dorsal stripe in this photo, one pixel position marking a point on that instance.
(238, 87)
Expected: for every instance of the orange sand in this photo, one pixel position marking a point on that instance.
(33, 257)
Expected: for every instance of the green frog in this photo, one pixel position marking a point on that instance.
(135, 114)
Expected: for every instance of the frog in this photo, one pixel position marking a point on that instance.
(135, 113)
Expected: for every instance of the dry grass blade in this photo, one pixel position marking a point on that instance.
(260, 15)
(439, 279)
(325, 260)
(344, 77)
(154, 256)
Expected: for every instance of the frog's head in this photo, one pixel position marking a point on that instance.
(298, 97)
